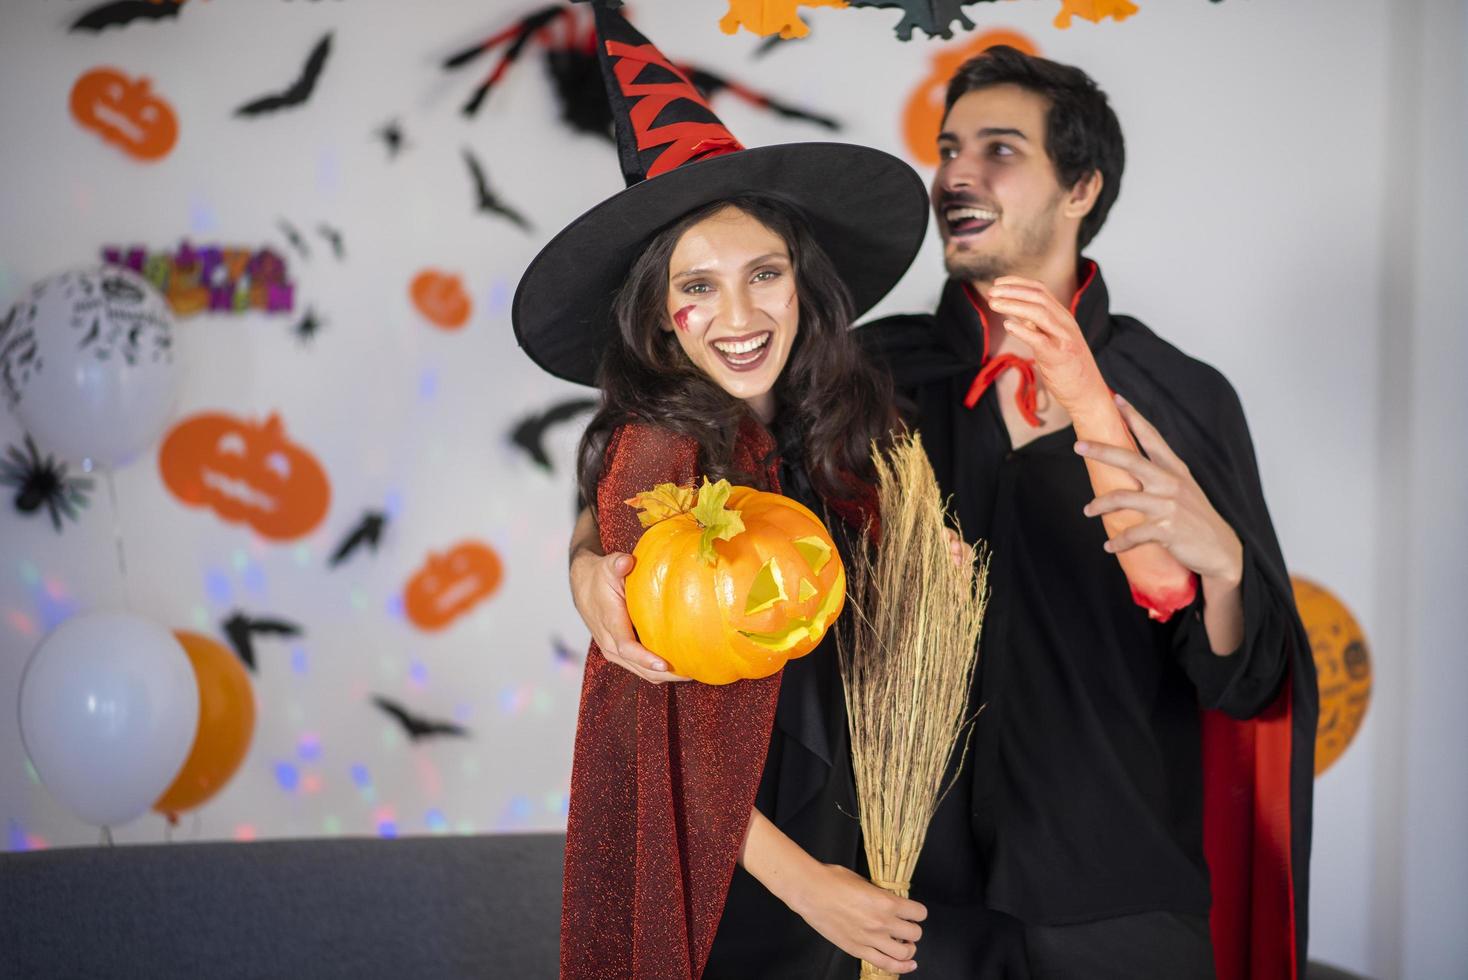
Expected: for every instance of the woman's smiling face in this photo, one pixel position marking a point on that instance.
(733, 306)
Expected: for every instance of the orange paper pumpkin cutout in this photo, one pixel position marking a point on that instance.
(125, 113)
(247, 473)
(450, 584)
(1094, 11)
(1342, 669)
(923, 117)
(226, 725)
(441, 298)
(766, 17)
(731, 583)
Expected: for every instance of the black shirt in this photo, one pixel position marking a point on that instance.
(1081, 795)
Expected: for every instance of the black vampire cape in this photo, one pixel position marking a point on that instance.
(1258, 772)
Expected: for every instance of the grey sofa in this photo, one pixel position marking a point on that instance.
(410, 908)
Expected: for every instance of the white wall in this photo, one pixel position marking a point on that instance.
(1285, 215)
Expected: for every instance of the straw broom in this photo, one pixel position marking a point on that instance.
(907, 665)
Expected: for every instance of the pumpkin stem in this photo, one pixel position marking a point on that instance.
(719, 523)
(668, 500)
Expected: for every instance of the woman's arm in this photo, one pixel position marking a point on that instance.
(850, 912)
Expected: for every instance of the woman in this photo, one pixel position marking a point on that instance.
(712, 829)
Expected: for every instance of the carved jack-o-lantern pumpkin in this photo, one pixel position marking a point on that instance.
(441, 298)
(450, 584)
(1342, 669)
(923, 116)
(732, 582)
(246, 472)
(125, 113)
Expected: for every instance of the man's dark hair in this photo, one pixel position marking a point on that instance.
(1082, 133)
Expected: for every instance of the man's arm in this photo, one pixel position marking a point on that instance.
(598, 587)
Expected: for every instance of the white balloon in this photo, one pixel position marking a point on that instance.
(109, 707)
(87, 362)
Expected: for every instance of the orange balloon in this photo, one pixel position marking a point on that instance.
(1342, 669)
(226, 725)
(924, 114)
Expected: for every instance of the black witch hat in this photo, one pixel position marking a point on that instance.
(867, 208)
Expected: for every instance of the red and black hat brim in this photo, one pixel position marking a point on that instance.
(867, 209)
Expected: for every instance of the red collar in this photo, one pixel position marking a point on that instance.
(1027, 397)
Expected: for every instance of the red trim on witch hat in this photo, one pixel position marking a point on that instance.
(686, 139)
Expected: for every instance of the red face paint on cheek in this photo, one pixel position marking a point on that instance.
(681, 317)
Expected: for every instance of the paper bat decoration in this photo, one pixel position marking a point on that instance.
(42, 481)
(309, 326)
(299, 91)
(934, 18)
(392, 137)
(564, 654)
(1094, 11)
(367, 532)
(241, 629)
(486, 199)
(294, 238)
(530, 431)
(124, 12)
(333, 237)
(417, 726)
(567, 38)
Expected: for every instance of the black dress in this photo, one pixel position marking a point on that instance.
(808, 791)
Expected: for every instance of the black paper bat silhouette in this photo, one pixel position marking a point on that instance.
(241, 630)
(42, 482)
(391, 135)
(529, 432)
(334, 237)
(124, 12)
(487, 199)
(299, 91)
(418, 726)
(294, 238)
(564, 654)
(367, 532)
(308, 326)
(933, 17)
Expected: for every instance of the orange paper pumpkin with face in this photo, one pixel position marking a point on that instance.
(125, 113)
(731, 582)
(450, 584)
(441, 298)
(923, 117)
(1342, 669)
(247, 473)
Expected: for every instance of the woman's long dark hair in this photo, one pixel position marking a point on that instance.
(832, 402)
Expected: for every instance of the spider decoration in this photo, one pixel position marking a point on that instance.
(42, 482)
(567, 35)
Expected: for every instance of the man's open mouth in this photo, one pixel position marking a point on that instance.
(966, 220)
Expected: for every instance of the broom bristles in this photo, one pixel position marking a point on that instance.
(908, 662)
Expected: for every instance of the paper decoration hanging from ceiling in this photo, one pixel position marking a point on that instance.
(923, 116)
(935, 18)
(1094, 11)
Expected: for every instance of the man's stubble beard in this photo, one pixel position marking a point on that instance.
(1035, 239)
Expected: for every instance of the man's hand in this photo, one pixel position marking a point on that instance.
(598, 587)
(1176, 512)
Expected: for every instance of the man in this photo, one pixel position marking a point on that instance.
(1076, 831)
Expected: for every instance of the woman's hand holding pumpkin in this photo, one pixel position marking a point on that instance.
(598, 588)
